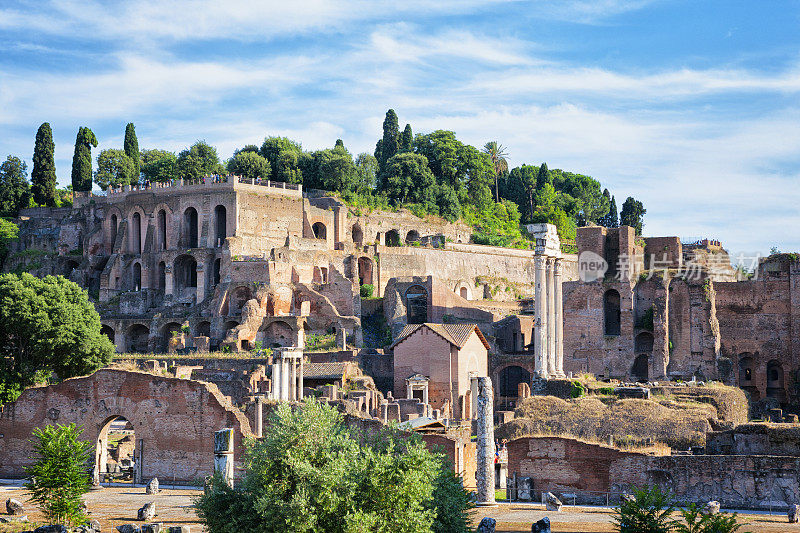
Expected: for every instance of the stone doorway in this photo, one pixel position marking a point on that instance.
(115, 456)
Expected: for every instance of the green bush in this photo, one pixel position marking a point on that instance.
(311, 473)
(578, 389)
(649, 511)
(367, 290)
(59, 475)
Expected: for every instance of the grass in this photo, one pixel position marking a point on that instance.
(632, 422)
(316, 343)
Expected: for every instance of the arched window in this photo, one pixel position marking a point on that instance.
(138, 336)
(114, 227)
(746, 367)
(416, 305)
(162, 230)
(217, 268)
(320, 231)
(358, 235)
(412, 236)
(640, 371)
(643, 343)
(190, 227)
(221, 218)
(136, 234)
(108, 331)
(510, 378)
(393, 238)
(365, 271)
(203, 329)
(162, 275)
(185, 272)
(611, 312)
(775, 387)
(137, 276)
(464, 293)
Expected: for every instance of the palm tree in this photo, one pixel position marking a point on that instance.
(497, 153)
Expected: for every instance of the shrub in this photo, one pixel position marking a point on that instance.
(648, 512)
(578, 389)
(59, 475)
(367, 290)
(311, 473)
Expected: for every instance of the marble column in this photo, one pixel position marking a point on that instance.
(300, 382)
(540, 302)
(284, 379)
(292, 380)
(551, 319)
(559, 267)
(276, 380)
(259, 417)
(223, 454)
(484, 474)
(201, 283)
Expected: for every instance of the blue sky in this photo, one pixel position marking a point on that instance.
(689, 106)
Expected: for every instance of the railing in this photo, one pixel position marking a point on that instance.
(214, 179)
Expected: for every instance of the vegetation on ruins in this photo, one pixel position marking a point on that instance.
(82, 160)
(632, 214)
(114, 168)
(159, 165)
(43, 175)
(59, 475)
(131, 147)
(651, 510)
(197, 161)
(311, 473)
(249, 164)
(8, 232)
(47, 325)
(15, 191)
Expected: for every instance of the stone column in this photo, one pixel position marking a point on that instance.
(259, 417)
(473, 399)
(559, 318)
(300, 380)
(169, 282)
(484, 474)
(276, 380)
(201, 283)
(540, 335)
(292, 380)
(551, 319)
(284, 379)
(223, 454)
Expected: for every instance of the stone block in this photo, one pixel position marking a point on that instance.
(793, 514)
(711, 507)
(223, 441)
(53, 528)
(487, 525)
(523, 391)
(152, 487)
(14, 507)
(776, 415)
(156, 527)
(147, 512)
(179, 529)
(524, 489)
(642, 393)
(542, 526)
(129, 528)
(552, 503)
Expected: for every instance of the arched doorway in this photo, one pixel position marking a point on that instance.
(640, 371)
(136, 233)
(412, 236)
(747, 370)
(393, 238)
(185, 273)
(775, 385)
(278, 334)
(137, 276)
(138, 337)
(239, 297)
(320, 231)
(115, 454)
(108, 331)
(162, 230)
(358, 234)
(162, 275)
(203, 329)
(416, 304)
(464, 293)
(611, 312)
(114, 226)
(190, 227)
(216, 271)
(69, 266)
(221, 224)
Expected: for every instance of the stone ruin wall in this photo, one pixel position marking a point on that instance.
(590, 471)
(174, 420)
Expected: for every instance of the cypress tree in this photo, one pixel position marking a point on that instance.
(131, 148)
(82, 160)
(43, 175)
(543, 176)
(406, 139)
(613, 214)
(389, 144)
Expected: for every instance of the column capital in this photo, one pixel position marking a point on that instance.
(558, 267)
(551, 261)
(539, 261)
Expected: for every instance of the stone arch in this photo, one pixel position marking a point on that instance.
(509, 379)
(117, 463)
(278, 333)
(135, 231)
(320, 231)
(185, 273)
(643, 343)
(358, 234)
(366, 268)
(640, 370)
(190, 227)
(775, 381)
(161, 225)
(216, 270)
(464, 290)
(320, 274)
(162, 275)
(203, 329)
(108, 331)
(747, 375)
(393, 238)
(238, 297)
(220, 225)
(412, 236)
(137, 276)
(416, 304)
(69, 266)
(113, 218)
(138, 338)
(611, 313)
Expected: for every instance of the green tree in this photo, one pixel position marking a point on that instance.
(251, 165)
(366, 170)
(408, 179)
(82, 160)
(383, 483)
(497, 153)
(696, 521)
(406, 139)
(47, 325)
(447, 203)
(114, 168)
(283, 155)
(632, 214)
(197, 161)
(331, 170)
(520, 188)
(15, 191)
(649, 511)
(43, 175)
(613, 214)
(8, 232)
(159, 165)
(390, 143)
(131, 147)
(59, 475)
(543, 176)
